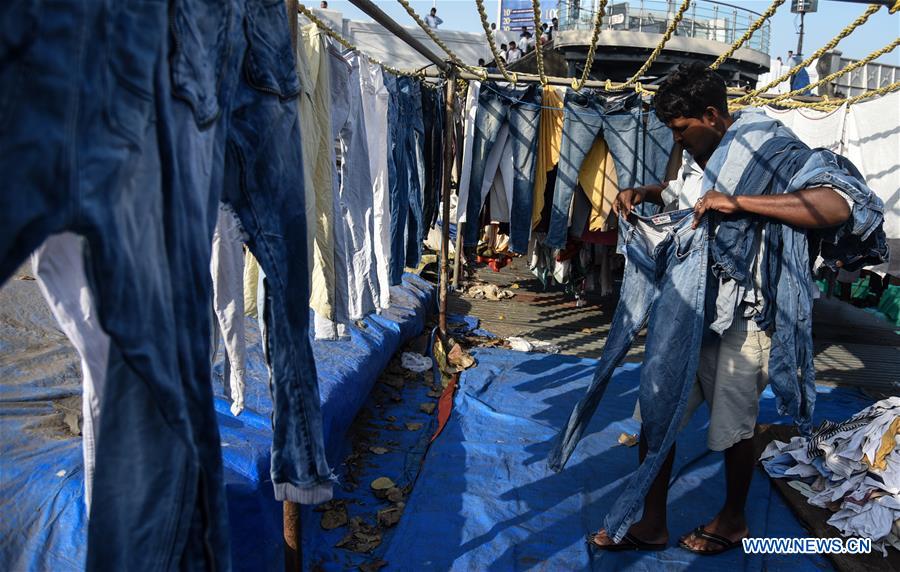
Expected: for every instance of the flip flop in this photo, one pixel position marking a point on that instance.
(629, 542)
(723, 542)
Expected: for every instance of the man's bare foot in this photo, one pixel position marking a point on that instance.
(731, 530)
(643, 533)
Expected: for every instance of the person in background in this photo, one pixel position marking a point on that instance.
(503, 50)
(481, 62)
(513, 53)
(432, 20)
(546, 34)
(790, 57)
(323, 5)
(525, 38)
(493, 26)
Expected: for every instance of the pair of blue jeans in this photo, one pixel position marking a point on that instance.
(519, 109)
(664, 288)
(640, 152)
(433, 121)
(123, 121)
(405, 174)
(778, 166)
(99, 111)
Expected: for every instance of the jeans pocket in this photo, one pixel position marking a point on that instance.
(269, 63)
(19, 21)
(200, 32)
(134, 47)
(688, 241)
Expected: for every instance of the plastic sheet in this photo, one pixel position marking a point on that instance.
(485, 499)
(43, 524)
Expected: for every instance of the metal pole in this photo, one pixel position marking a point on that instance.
(449, 107)
(293, 552)
(800, 39)
(379, 16)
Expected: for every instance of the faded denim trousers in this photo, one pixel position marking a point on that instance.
(433, 151)
(640, 154)
(114, 129)
(664, 288)
(519, 109)
(405, 174)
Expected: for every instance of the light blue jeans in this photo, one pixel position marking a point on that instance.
(664, 288)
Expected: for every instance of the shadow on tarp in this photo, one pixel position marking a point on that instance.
(485, 499)
(42, 520)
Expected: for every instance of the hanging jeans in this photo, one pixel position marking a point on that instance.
(520, 110)
(58, 267)
(663, 288)
(354, 206)
(88, 120)
(407, 131)
(620, 122)
(433, 150)
(264, 184)
(227, 269)
(657, 142)
(375, 99)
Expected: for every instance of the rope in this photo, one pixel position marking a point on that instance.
(750, 31)
(659, 47)
(589, 62)
(350, 46)
(437, 40)
(876, 54)
(832, 104)
(492, 44)
(818, 53)
(538, 50)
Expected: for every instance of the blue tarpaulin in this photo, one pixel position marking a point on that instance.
(42, 517)
(485, 499)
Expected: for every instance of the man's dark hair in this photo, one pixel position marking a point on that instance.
(688, 91)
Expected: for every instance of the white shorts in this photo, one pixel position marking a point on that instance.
(732, 374)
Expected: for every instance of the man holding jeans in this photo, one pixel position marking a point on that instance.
(733, 367)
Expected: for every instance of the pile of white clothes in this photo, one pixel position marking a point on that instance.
(851, 468)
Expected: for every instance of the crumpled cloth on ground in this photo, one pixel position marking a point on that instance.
(851, 468)
(415, 362)
(489, 292)
(520, 344)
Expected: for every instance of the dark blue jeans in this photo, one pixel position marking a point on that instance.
(116, 117)
(663, 288)
(520, 110)
(405, 178)
(640, 154)
(263, 172)
(433, 121)
(91, 144)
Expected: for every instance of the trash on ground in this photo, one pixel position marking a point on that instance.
(415, 362)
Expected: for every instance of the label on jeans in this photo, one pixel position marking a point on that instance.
(661, 219)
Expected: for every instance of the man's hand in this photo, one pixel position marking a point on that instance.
(714, 201)
(626, 200)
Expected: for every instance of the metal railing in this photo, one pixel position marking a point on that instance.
(705, 19)
(870, 76)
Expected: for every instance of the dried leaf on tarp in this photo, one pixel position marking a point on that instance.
(379, 450)
(394, 495)
(373, 566)
(389, 516)
(393, 427)
(344, 541)
(396, 397)
(334, 519)
(427, 408)
(434, 393)
(24, 277)
(628, 440)
(382, 484)
(414, 426)
(459, 358)
(514, 286)
(391, 418)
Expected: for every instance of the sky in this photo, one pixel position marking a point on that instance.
(831, 18)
